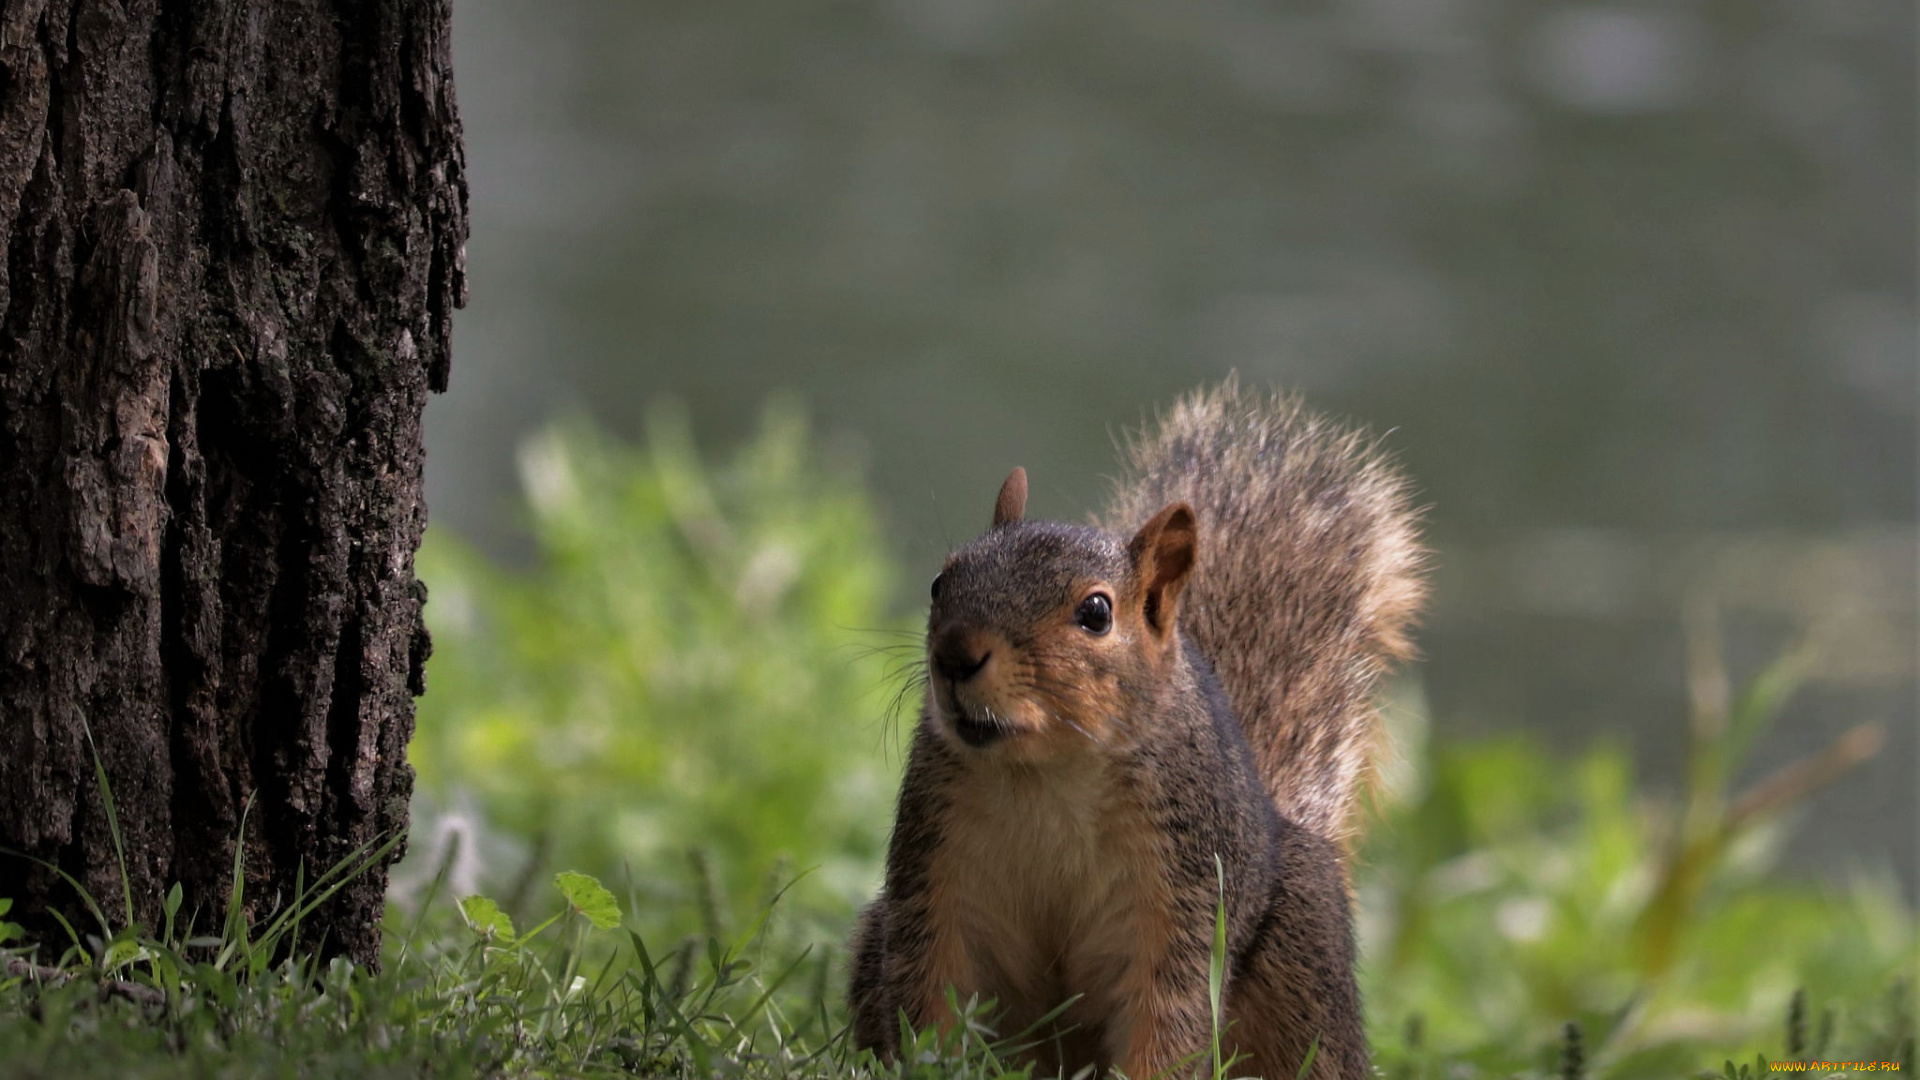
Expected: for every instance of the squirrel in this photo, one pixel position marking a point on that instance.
(1130, 725)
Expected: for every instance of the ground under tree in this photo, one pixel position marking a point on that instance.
(234, 238)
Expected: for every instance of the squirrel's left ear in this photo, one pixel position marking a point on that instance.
(1012, 503)
(1163, 552)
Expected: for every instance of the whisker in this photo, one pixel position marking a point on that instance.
(908, 690)
(887, 631)
(903, 662)
(1037, 687)
(868, 652)
(892, 729)
(1044, 687)
(1071, 724)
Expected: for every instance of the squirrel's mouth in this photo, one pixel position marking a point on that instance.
(978, 728)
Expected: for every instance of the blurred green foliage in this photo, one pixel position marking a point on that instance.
(692, 662)
(1510, 895)
(696, 660)
(1505, 895)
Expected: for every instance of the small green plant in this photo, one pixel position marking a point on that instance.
(1758, 1069)
(8, 931)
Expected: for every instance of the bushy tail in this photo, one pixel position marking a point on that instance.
(1307, 585)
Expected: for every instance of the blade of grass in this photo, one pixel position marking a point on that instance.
(113, 818)
(1217, 960)
(772, 988)
(233, 934)
(1306, 1063)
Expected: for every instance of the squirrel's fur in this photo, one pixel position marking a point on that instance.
(1120, 718)
(1309, 580)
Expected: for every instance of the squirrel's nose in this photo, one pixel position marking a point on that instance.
(955, 659)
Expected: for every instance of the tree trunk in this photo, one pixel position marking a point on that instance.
(235, 236)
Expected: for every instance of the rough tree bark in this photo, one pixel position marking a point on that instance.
(234, 235)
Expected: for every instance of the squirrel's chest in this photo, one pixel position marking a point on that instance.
(1048, 881)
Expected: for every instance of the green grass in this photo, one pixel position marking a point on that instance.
(579, 996)
(683, 696)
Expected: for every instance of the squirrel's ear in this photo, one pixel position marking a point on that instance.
(1163, 552)
(1012, 502)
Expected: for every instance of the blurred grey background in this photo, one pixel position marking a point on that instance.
(1631, 283)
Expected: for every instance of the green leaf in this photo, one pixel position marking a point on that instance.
(6, 904)
(589, 898)
(173, 902)
(487, 919)
(118, 952)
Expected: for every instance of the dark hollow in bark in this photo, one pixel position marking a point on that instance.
(234, 235)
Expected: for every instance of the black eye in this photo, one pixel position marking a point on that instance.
(939, 580)
(1095, 614)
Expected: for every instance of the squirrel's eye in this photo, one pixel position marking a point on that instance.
(939, 580)
(1095, 614)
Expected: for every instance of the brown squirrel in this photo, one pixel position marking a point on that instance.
(1111, 708)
